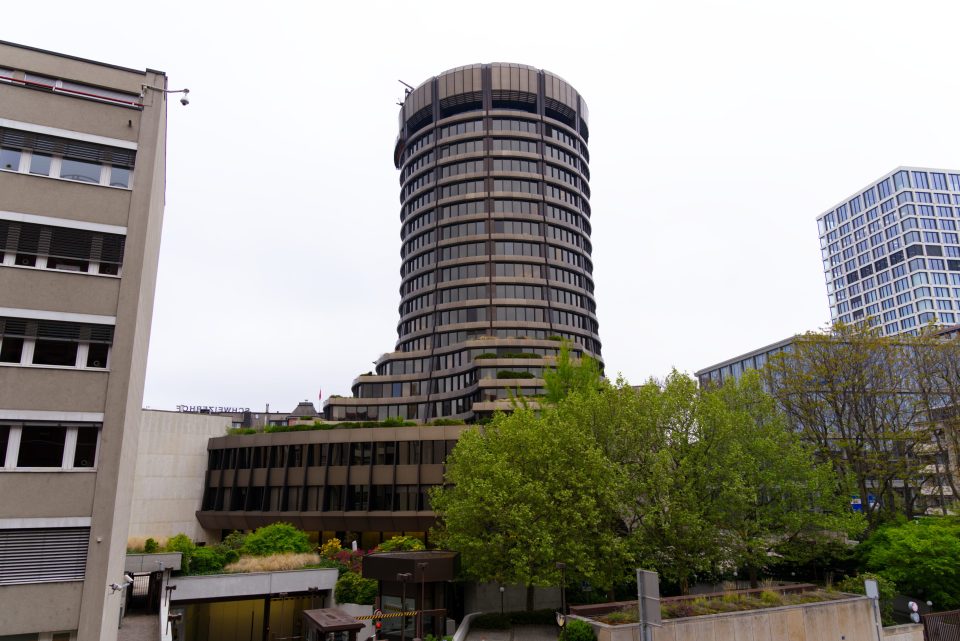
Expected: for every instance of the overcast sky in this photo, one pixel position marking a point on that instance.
(718, 132)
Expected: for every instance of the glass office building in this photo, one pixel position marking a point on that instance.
(891, 252)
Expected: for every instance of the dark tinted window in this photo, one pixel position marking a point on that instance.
(41, 446)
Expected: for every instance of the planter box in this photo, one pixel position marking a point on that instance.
(850, 619)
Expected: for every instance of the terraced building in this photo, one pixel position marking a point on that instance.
(495, 230)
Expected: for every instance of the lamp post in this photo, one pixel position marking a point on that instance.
(501, 600)
(422, 566)
(563, 587)
(403, 577)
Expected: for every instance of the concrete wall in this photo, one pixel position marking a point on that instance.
(909, 632)
(171, 467)
(848, 619)
(253, 584)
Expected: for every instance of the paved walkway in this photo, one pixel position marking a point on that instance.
(139, 627)
(518, 633)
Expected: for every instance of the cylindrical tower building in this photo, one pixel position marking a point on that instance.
(495, 230)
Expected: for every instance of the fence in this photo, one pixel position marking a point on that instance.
(941, 626)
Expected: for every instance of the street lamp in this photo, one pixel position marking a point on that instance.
(501, 600)
(422, 566)
(403, 577)
(563, 586)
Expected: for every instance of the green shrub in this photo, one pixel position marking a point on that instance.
(491, 621)
(768, 597)
(353, 588)
(620, 617)
(276, 538)
(237, 431)
(485, 355)
(150, 546)
(182, 543)
(921, 557)
(577, 630)
(207, 561)
(448, 421)
(887, 588)
(398, 543)
(234, 540)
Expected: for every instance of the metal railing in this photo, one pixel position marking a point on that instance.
(941, 626)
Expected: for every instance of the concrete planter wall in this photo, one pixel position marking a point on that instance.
(908, 632)
(849, 619)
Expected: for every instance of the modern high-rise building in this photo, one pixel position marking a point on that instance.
(891, 252)
(495, 230)
(82, 175)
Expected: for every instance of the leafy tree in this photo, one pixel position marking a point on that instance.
(713, 478)
(570, 375)
(276, 538)
(922, 557)
(353, 588)
(776, 492)
(151, 546)
(524, 493)
(399, 543)
(853, 394)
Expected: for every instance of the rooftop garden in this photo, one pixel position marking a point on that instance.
(278, 547)
(719, 603)
(318, 425)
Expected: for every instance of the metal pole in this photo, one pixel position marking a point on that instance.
(403, 577)
(403, 609)
(423, 603)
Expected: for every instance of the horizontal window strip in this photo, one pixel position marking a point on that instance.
(77, 149)
(43, 555)
(55, 330)
(61, 242)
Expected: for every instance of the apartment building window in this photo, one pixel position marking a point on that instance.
(29, 342)
(46, 445)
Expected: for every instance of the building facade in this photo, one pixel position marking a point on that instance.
(365, 484)
(82, 175)
(496, 254)
(891, 252)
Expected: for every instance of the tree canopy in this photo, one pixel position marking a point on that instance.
(524, 493)
(665, 476)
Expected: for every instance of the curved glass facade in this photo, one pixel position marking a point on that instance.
(495, 231)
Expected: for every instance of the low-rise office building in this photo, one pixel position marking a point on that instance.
(363, 484)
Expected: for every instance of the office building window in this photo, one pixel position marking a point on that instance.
(31, 445)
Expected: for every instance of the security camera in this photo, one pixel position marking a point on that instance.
(184, 100)
(127, 578)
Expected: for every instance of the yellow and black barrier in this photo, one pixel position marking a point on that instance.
(387, 615)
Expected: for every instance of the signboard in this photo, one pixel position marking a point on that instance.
(211, 409)
(648, 596)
